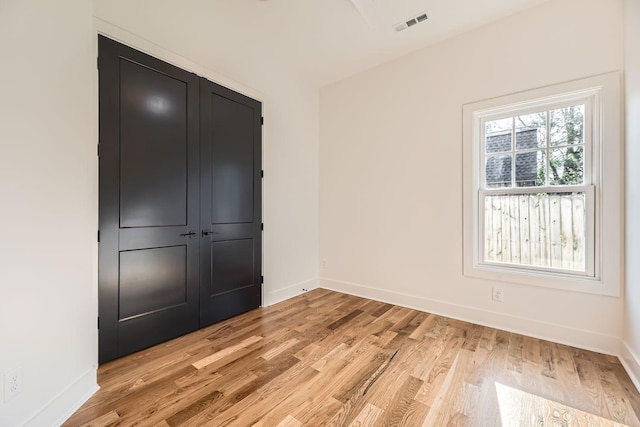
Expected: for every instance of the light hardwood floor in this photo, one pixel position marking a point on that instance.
(330, 359)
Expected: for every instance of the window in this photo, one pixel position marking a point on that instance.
(534, 188)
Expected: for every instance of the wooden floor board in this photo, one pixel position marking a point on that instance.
(331, 359)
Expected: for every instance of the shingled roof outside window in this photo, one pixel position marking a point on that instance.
(499, 168)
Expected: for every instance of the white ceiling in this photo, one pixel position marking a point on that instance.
(321, 40)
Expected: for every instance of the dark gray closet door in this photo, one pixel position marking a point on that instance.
(230, 195)
(149, 201)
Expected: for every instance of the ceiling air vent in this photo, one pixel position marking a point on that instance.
(411, 22)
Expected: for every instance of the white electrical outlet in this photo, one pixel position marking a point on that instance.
(497, 294)
(12, 384)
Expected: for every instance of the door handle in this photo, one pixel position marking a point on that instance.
(190, 234)
(207, 233)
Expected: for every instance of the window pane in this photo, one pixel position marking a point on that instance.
(498, 171)
(566, 166)
(531, 131)
(531, 169)
(566, 125)
(541, 230)
(498, 135)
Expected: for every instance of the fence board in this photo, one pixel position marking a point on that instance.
(566, 232)
(525, 230)
(488, 241)
(514, 229)
(579, 227)
(505, 228)
(497, 228)
(535, 236)
(545, 229)
(555, 236)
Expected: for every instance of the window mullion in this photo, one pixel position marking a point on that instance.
(535, 190)
(513, 152)
(546, 147)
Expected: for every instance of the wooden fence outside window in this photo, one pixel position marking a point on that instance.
(543, 230)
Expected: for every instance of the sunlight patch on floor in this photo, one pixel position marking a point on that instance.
(519, 408)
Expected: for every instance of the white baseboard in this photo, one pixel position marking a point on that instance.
(67, 402)
(580, 338)
(631, 363)
(278, 295)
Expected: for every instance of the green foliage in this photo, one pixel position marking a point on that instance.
(566, 164)
(567, 170)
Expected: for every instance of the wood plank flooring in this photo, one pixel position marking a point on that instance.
(330, 359)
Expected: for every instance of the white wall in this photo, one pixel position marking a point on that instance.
(48, 219)
(199, 37)
(391, 144)
(631, 348)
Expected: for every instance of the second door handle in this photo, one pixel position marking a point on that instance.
(193, 234)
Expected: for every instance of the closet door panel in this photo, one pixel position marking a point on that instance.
(152, 280)
(153, 147)
(232, 180)
(231, 249)
(149, 201)
(232, 264)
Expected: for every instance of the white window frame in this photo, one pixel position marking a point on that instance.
(602, 184)
(589, 98)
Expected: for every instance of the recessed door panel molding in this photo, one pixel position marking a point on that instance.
(153, 147)
(180, 201)
(232, 161)
(232, 265)
(152, 280)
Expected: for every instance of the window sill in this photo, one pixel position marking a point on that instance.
(545, 279)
